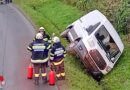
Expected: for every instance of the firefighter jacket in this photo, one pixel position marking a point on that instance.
(46, 38)
(57, 52)
(39, 49)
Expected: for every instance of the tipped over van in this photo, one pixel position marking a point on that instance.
(94, 39)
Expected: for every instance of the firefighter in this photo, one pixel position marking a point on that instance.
(46, 37)
(57, 55)
(39, 49)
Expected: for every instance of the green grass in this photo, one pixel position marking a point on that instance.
(55, 15)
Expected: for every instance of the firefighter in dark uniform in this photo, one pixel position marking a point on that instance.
(57, 55)
(46, 37)
(39, 49)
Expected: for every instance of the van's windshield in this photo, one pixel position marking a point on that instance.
(107, 43)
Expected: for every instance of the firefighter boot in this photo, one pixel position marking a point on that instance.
(63, 77)
(44, 80)
(36, 82)
(59, 78)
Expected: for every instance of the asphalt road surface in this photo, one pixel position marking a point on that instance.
(15, 34)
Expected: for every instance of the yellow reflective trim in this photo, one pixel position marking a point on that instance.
(58, 63)
(49, 41)
(45, 39)
(58, 75)
(64, 55)
(35, 47)
(51, 54)
(44, 74)
(62, 74)
(64, 51)
(39, 61)
(29, 48)
(36, 75)
(48, 46)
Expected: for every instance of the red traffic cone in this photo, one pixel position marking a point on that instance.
(51, 77)
(30, 72)
(2, 81)
(1, 78)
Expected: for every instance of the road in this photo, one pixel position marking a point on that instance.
(15, 34)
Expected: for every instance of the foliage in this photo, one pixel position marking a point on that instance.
(123, 18)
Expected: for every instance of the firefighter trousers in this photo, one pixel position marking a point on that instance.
(59, 69)
(40, 69)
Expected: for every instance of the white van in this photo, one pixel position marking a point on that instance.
(95, 41)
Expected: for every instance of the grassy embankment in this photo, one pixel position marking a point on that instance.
(55, 15)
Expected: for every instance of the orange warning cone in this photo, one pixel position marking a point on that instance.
(30, 71)
(1, 78)
(2, 81)
(51, 77)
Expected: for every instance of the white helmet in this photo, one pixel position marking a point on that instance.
(41, 28)
(39, 36)
(56, 39)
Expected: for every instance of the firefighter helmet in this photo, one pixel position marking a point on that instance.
(39, 36)
(41, 28)
(56, 39)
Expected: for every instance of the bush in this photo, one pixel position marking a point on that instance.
(117, 11)
(123, 18)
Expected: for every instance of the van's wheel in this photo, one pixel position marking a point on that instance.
(97, 76)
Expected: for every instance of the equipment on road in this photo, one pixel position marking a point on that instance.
(30, 72)
(1, 78)
(2, 81)
(51, 77)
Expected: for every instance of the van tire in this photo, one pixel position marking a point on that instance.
(97, 76)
